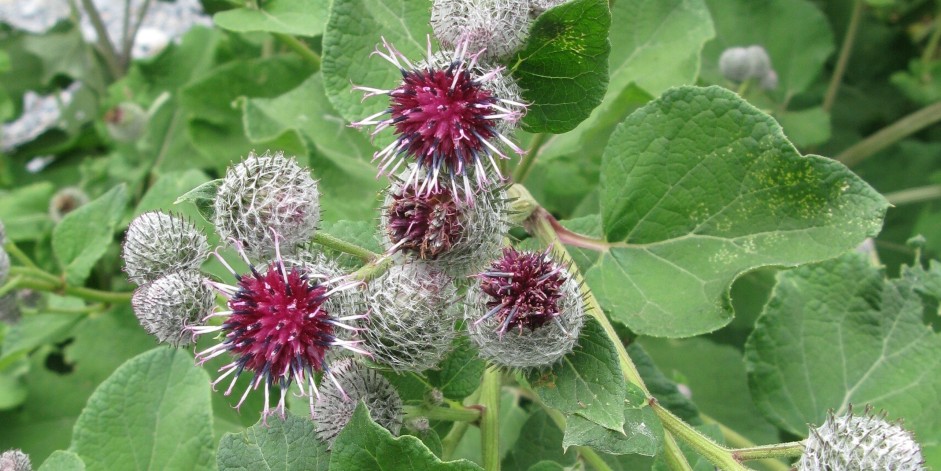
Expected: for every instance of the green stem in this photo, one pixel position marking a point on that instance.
(592, 458)
(712, 451)
(131, 35)
(110, 297)
(490, 419)
(450, 441)
(372, 269)
(891, 134)
(19, 255)
(10, 285)
(329, 241)
(674, 457)
(778, 450)
(108, 51)
(914, 195)
(450, 414)
(932, 47)
(845, 50)
(300, 48)
(526, 165)
(45, 282)
(735, 439)
(36, 273)
(588, 455)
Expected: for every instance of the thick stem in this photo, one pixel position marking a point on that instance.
(712, 451)
(674, 457)
(526, 165)
(845, 51)
(490, 419)
(891, 134)
(778, 450)
(736, 440)
(373, 269)
(329, 241)
(450, 441)
(450, 414)
(10, 285)
(300, 48)
(914, 195)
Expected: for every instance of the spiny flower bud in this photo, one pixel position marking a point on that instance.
(457, 238)
(525, 311)
(65, 201)
(353, 382)
(866, 442)
(166, 306)
(15, 460)
(265, 193)
(411, 317)
(126, 122)
(451, 115)
(342, 303)
(497, 28)
(278, 326)
(739, 64)
(159, 243)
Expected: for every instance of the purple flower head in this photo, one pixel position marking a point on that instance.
(450, 115)
(278, 327)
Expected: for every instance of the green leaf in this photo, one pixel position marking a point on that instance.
(166, 191)
(587, 381)
(658, 43)
(25, 211)
(563, 69)
(204, 198)
(83, 235)
(342, 155)
(33, 331)
(295, 17)
(546, 466)
(661, 387)
(288, 444)
(12, 390)
(152, 413)
(361, 233)
(363, 444)
(459, 373)
(66, 53)
(641, 436)
(798, 59)
(715, 376)
(63, 460)
(353, 30)
(806, 128)
(699, 187)
(837, 333)
(543, 441)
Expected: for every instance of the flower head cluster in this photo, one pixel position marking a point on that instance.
(865, 441)
(438, 229)
(351, 383)
(450, 114)
(412, 314)
(525, 310)
(739, 64)
(167, 305)
(263, 193)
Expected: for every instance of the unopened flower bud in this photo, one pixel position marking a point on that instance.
(15, 460)
(65, 201)
(412, 310)
(418, 424)
(159, 243)
(167, 305)
(739, 64)
(453, 236)
(263, 194)
(497, 27)
(435, 397)
(860, 442)
(126, 122)
(352, 382)
(525, 311)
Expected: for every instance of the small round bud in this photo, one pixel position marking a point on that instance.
(525, 311)
(418, 424)
(770, 80)
(167, 305)
(126, 122)
(352, 382)
(453, 236)
(265, 193)
(860, 442)
(159, 243)
(435, 397)
(15, 460)
(739, 64)
(65, 201)
(498, 27)
(412, 311)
